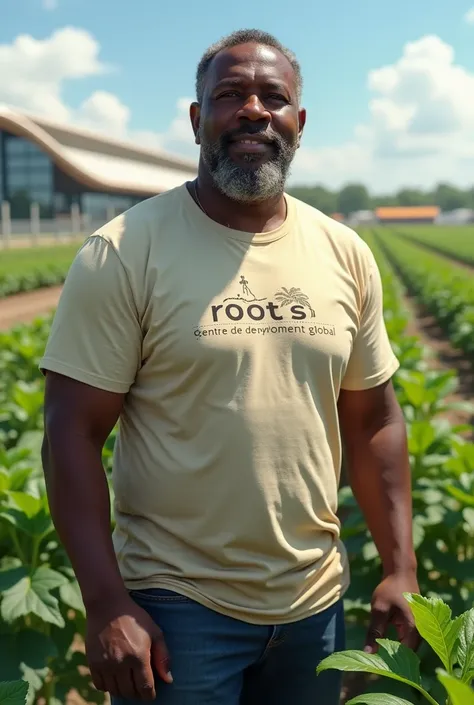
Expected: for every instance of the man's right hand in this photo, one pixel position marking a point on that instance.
(124, 646)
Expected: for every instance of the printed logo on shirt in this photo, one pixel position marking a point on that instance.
(262, 315)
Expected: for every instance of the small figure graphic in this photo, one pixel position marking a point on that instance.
(245, 287)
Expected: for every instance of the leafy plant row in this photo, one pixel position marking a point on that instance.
(27, 269)
(442, 464)
(451, 641)
(455, 241)
(42, 620)
(445, 289)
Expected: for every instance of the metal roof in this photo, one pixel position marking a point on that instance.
(404, 212)
(99, 162)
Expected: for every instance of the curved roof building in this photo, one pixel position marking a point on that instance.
(57, 165)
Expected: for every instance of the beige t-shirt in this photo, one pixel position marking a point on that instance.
(231, 348)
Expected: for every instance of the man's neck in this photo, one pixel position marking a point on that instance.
(248, 217)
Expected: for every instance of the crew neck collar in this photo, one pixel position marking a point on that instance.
(253, 237)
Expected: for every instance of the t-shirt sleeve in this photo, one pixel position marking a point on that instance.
(96, 334)
(372, 361)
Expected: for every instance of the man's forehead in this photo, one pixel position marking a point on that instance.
(251, 60)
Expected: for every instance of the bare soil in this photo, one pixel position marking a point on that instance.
(444, 357)
(24, 308)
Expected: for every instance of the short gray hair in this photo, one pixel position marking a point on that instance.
(245, 36)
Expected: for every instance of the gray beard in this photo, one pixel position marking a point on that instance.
(248, 185)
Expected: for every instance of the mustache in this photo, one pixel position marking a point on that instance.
(268, 134)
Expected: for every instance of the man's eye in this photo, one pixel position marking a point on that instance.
(228, 94)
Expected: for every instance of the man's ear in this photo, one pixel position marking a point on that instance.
(195, 115)
(301, 123)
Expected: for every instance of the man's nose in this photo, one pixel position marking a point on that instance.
(253, 109)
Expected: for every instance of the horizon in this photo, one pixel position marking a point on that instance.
(389, 90)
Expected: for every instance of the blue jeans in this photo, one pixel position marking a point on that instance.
(218, 660)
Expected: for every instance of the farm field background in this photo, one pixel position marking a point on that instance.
(428, 278)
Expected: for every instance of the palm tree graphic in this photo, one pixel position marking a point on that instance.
(294, 296)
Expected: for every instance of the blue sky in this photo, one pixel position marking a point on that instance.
(148, 50)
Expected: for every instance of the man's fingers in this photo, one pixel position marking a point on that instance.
(160, 658)
(409, 636)
(407, 631)
(125, 684)
(110, 684)
(145, 682)
(98, 680)
(379, 619)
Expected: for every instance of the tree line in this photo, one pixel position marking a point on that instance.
(356, 197)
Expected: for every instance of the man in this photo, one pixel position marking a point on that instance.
(237, 334)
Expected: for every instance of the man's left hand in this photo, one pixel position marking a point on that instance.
(390, 607)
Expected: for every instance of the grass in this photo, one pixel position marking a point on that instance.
(27, 269)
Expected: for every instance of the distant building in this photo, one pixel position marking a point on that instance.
(406, 214)
(361, 218)
(58, 166)
(459, 216)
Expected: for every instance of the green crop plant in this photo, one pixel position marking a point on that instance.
(452, 643)
(445, 289)
(30, 268)
(42, 619)
(455, 241)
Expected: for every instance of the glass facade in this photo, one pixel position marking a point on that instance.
(28, 175)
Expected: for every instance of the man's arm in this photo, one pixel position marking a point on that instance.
(91, 362)
(78, 421)
(122, 641)
(375, 445)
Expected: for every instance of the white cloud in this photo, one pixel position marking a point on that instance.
(469, 16)
(421, 126)
(33, 71)
(33, 74)
(104, 111)
(50, 5)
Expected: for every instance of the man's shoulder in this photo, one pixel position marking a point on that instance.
(133, 230)
(339, 236)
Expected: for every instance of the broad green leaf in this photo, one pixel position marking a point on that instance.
(378, 699)
(38, 525)
(466, 646)
(460, 495)
(36, 679)
(70, 594)
(459, 693)
(400, 659)
(418, 534)
(421, 436)
(26, 649)
(9, 578)
(32, 595)
(13, 692)
(468, 514)
(377, 664)
(4, 480)
(18, 478)
(26, 503)
(434, 623)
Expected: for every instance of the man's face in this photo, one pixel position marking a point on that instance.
(249, 122)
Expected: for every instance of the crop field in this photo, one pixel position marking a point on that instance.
(42, 619)
(27, 269)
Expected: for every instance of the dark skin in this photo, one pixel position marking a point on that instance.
(245, 84)
(374, 435)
